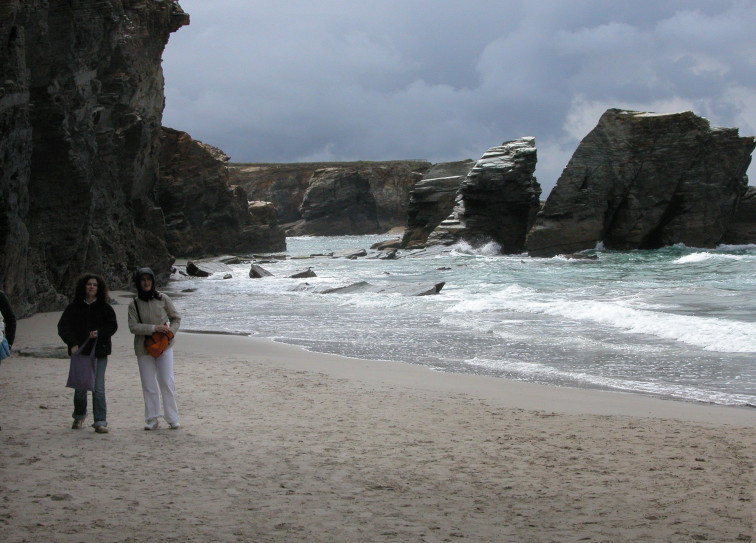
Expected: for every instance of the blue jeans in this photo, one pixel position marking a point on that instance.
(98, 397)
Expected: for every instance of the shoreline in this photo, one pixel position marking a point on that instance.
(282, 444)
(522, 394)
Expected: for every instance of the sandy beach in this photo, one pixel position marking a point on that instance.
(281, 445)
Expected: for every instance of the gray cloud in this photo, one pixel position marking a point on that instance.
(289, 81)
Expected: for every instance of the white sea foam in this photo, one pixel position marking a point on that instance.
(464, 248)
(702, 257)
(647, 321)
(711, 334)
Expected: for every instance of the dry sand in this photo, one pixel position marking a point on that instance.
(279, 444)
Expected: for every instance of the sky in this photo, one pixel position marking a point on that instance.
(445, 80)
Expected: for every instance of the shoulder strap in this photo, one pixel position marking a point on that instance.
(136, 304)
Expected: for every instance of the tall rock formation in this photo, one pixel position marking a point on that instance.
(337, 202)
(432, 200)
(285, 185)
(742, 229)
(203, 214)
(645, 180)
(80, 113)
(497, 201)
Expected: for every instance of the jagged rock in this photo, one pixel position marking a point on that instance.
(349, 253)
(387, 244)
(404, 289)
(262, 212)
(497, 201)
(285, 185)
(360, 286)
(337, 202)
(307, 272)
(387, 255)
(742, 229)
(645, 180)
(79, 125)
(203, 214)
(258, 272)
(579, 256)
(432, 200)
(206, 268)
(228, 276)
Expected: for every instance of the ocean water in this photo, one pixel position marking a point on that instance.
(678, 322)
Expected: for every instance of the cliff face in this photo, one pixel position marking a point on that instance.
(645, 180)
(80, 118)
(497, 201)
(202, 213)
(337, 202)
(285, 185)
(432, 200)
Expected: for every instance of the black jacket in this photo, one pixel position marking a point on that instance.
(79, 318)
(9, 317)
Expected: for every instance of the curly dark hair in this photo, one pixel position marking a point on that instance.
(81, 287)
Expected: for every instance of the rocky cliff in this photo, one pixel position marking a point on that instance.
(80, 118)
(203, 214)
(285, 185)
(337, 202)
(645, 180)
(497, 201)
(432, 200)
(742, 229)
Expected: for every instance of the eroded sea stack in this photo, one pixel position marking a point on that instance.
(497, 201)
(432, 200)
(645, 180)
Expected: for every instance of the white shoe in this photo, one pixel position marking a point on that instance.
(174, 425)
(152, 424)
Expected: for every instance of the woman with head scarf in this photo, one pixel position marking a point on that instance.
(88, 323)
(152, 311)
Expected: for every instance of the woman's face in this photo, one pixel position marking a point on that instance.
(146, 283)
(91, 287)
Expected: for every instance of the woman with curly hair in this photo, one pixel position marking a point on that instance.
(89, 322)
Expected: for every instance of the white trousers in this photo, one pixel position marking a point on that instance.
(157, 378)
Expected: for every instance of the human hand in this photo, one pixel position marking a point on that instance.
(162, 328)
(74, 349)
(93, 334)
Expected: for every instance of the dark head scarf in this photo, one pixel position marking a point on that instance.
(145, 295)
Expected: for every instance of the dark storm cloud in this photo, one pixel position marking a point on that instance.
(288, 81)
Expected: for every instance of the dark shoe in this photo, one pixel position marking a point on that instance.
(77, 424)
(101, 429)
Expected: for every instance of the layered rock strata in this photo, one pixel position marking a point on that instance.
(742, 229)
(203, 214)
(432, 200)
(645, 180)
(337, 202)
(285, 185)
(497, 201)
(80, 113)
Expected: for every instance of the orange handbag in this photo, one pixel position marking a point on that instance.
(157, 343)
